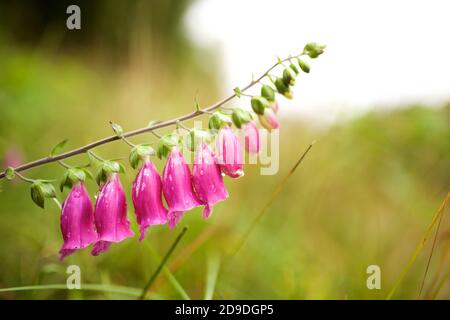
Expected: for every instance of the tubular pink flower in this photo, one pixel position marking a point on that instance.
(146, 194)
(111, 215)
(251, 135)
(77, 221)
(207, 179)
(274, 105)
(229, 153)
(177, 187)
(269, 120)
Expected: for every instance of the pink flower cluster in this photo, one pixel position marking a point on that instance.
(83, 224)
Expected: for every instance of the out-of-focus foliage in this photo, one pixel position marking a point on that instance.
(364, 195)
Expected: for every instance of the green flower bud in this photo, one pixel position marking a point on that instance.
(303, 65)
(240, 117)
(289, 77)
(259, 104)
(117, 129)
(41, 190)
(268, 93)
(313, 50)
(282, 88)
(294, 68)
(10, 173)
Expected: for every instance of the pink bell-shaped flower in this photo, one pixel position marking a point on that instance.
(111, 215)
(269, 120)
(177, 187)
(147, 201)
(207, 179)
(251, 135)
(229, 153)
(77, 221)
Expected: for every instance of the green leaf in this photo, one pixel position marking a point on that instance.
(37, 195)
(10, 173)
(58, 147)
(92, 159)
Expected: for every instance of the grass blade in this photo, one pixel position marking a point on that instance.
(211, 276)
(172, 279)
(419, 247)
(269, 203)
(431, 255)
(161, 265)
(130, 291)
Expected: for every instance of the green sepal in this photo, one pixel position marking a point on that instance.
(138, 153)
(197, 136)
(106, 168)
(58, 147)
(72, 176)
(166, 143)
(218, 120)
(240, 117)
(259, 104)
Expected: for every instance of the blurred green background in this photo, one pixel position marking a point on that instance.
(364, 195)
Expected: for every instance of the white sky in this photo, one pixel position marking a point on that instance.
(378, 52)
